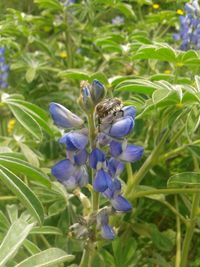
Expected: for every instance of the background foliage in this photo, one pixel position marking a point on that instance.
(50, 48)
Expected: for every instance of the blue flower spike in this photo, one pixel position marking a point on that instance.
(106, 154)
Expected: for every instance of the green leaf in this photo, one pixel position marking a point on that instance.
(160, 95)
(31, 157)
(37, 114)
(27, 121)
(15, 236)
(74, 74)
(46, 258)
(160, 240)
(30, 74)
(12, 211)
(52, 5)
(26, 195)
(46, 230)
(126, 9)
(19, 166)
(161, 52)
(31, 247)
(184, 179)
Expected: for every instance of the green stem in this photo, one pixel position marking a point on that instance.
(87, 253)
(178, 150)
(68, 41)
(178, 236)
(85, 258)
(129, 174)
(168, 191)
(92, 134)
(175, 211)
(150, 161)
(190, 230)
(4, 198)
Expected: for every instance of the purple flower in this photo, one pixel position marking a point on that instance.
(121, 127)
(4, 69)
(74, 141)
(189, 24)
(70, 175)
(118, 20)
(97, 91)
(115, 167)
(127, 153)
(107, 231)
(120, 203)
(102, 181)
(97, 158)
(63, 117)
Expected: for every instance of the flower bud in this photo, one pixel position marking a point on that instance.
(85, 99)
(98, 91)
(63, 117)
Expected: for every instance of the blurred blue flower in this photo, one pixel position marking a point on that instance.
(4, 69)
(189, 33)
(118, 20)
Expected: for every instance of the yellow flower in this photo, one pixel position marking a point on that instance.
(63, 54)
(179, 11)
(156, 6)
(11, 125)
(167, 71)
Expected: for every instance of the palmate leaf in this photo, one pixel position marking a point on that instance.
(46, 258)
(25, 195)
(184, 179)
(15, 236)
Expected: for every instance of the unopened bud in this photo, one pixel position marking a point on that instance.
(98, 91)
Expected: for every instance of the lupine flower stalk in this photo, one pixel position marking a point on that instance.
(189, 33)
(4, 69)
(99, 148)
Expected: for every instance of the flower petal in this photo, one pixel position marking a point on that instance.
(120, 203)
(71, 183)
(74, 141)
(115, 167)
(107, 232)
(82, 177)
(96, 156)
(102, 181)
(97, 91)
(132, 153)
(63, 117)
(129, 111)
(121, 127)
(115, 148)
(81, 157)
(63, 170)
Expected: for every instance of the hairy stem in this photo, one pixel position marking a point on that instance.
(87, 254)
(190, 230)
(85, 258)
(178, 236)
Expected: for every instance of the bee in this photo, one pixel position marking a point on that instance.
(108, 110)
